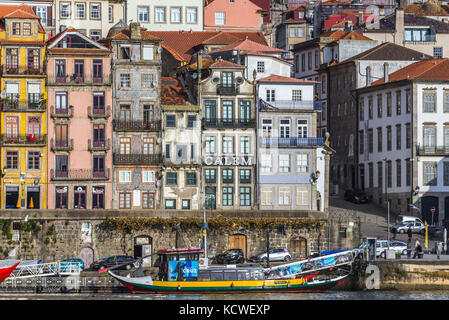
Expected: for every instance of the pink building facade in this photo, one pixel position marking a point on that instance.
(79, 123)
(233, 15)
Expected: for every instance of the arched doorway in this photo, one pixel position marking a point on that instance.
(238, 241)
(298, 247)
(143, 246)
(427, 203)
(87, 255)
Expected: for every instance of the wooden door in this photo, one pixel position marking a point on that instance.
(298, 247)
(87, 255)
(238, 241)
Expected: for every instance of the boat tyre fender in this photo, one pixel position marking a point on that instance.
(232, 285)
(39, 289)
(63, 289)
(288, 284)
(179, 288)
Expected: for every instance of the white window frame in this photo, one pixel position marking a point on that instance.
(78, 6)
(210, 144)
(245, 144)
(302, 162)
(148, 176)
(266, 163)
(146, 15)
(302, 128)
(296, 95)
(176, 15)
(95, 9)
(285, 196)
(160, 15)
(125, 176)
(220, 18)
(64, 8)
(125, 81)
(192, 13)
(227, 144)
(285, 164)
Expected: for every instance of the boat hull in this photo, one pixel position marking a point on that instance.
(139, 285)
(6, 272)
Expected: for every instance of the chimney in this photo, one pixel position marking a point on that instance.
(368, 76)
(399, 27)
(135, 31)
(360, 17)
(385, 72)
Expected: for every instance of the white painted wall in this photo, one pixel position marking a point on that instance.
(273, 66)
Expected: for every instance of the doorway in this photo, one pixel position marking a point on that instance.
(143, 247)
(33, 197)
(298, 247)
(238, 241)
(429, 204)
(12, 196)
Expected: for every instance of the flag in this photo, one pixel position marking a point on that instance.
(115, 259)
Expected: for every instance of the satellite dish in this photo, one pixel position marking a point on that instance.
(159, 50)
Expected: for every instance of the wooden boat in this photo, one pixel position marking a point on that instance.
(6, 271)
(179, 272)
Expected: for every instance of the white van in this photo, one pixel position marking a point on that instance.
(401, 218)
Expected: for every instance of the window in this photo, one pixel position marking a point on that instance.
(284, 163)
(419, 35)
(245, 111)
(79, 197)
(245, 196)
(148, 145)
(192, 15)
(79, 71)
(408, 102)
(125, 112)
(95, 34)
(210, 144)
(98, 103)
(170, 204)
(429, 138)
(323, 84)
(379, 139)
(95, 11)
(61, 197)
(16, 28)
(389, 140)
(284, 196)
(125, 200)
(97, 197)
(302, 162)
(97, 68)
(267, 127)
(430, 174)
(297, 95)
(398, 137)
(185, 204)
(167, 150)
(27, 29)
(143, 14)
(148, 80)
(175, 15)
(309, 60)
(160, 15)
(60, 70)
(34, 126)
(284, 125)
(148, 113)
(80, 10)
(148, 176)
(64, 11)
(148, 200)
(370, 175)
(429, 101)
(389, 104)
(398, 173)
(191, 121)
(302, 128)
(210, 175)
(389, 174)
(379, 174)
(266, 162)
(408, 172)
(446, 173)
(170, 120)
(125, 176)
(228, 144)
(125, 52)
(379, 106)
(362, 110)
(271, 94)
(12, 159)
(438, 52)
(228, 196)
(408, 136)
(361, 142)
(172, 178)
(190, 178)
(370, 141)
(125, 80)
(227, 175)
(110, 14)
(61, 166)
(245, 145)
(61, 102)
(228, 110)
(398, 103)
(260, 66)
(220, 18)
(245, 176)
(42, 13)
(227, 79)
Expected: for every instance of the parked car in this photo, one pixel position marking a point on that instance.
(381, 247)
(417, 227)
(278, 254)
(356, 196)
(112, 261)
(399, 247)
(71, 264)
(231, 256)
(402, 218)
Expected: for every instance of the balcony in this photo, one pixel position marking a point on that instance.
(14, 70)
(97, 113)
(231, 90)
(61, 112)
(228, 123)
(79, 174)
(82, 79)
(292, 142)
(13, 105)
(137, 158)
(289, 105)
(99, 145)
(57, 145)
(136, 125)
(24, 140)
(432, 150)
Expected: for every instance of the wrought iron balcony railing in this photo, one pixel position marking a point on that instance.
(16, 105)
(66, 112)
(99, 145)
(103, 112)
(289, 105)
(292, 142)
(71, 79)
(432, 150)
(228, 123)
(80, 174)
(137, 158)
(136, 125)
(225, 90)
(22, 70)
(58, 145)
(19, 140)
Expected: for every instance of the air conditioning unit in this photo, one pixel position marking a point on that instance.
(203, 262)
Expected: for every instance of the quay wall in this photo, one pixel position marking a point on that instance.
(399, 275)
(52, 235)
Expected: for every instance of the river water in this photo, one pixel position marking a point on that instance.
(329, 295)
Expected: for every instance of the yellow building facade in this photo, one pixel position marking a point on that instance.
(23, 109)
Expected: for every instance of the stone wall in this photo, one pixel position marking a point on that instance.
(53, 235)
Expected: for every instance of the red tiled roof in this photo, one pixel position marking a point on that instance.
(125, 34)
(432, 69)
(276, 78)
(354, 36)
(22, 11)
(301, 7)
(426, 9)
(181, 44)
(172, 92)
(335, 34)
(226, 64)
(60, 35)
(248, 45)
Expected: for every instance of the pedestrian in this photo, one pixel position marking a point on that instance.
(439, 248)
(394, 233)
(418, 249)
(409, 233)
(435, 247)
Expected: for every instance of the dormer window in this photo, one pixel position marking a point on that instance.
(27, 29)
(125, 52)
(16, 29)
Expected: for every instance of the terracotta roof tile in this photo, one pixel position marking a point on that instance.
(276, 78)
(172, 92)
(432, 69)
(22, 11)
(354, 36)
(226, 64)
(248, 45)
